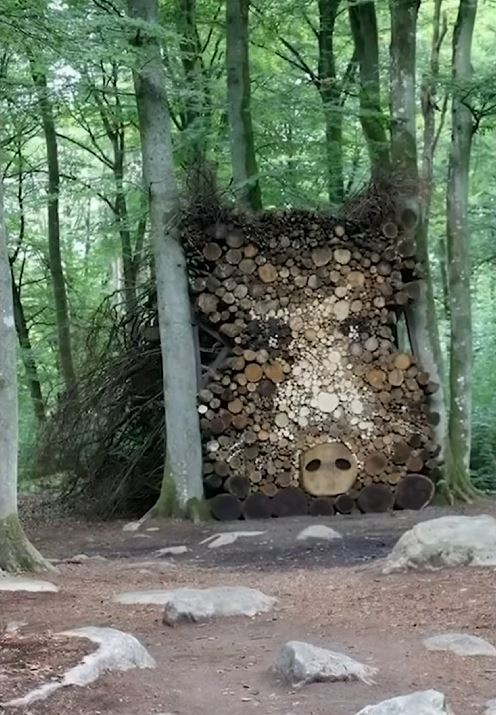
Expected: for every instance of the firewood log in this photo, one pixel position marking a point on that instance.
(375, 498)
(225, 507)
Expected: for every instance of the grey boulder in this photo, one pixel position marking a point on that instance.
(20, 583)
(427, 702)
(449, 541)
(200, 604)
(302, 663)
(490, 707)
(461, 644)
(320, 532)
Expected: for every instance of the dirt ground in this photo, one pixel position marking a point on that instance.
(28, 660)
(330, 594)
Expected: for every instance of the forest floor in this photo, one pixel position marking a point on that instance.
(330, 593)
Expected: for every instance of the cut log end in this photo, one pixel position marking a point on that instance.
(414, 492)
(225, 507)
(375, 498)
(322, 506)
(289, 502)
(344, 504)
(257, 506)
(238, 486)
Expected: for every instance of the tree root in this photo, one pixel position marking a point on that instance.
(17, 554)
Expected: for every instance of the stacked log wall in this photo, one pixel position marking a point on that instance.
(310, 406)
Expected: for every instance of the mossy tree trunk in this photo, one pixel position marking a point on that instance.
(182, 488)
(16, 553)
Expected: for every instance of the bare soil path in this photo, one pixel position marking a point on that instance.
(330, 594)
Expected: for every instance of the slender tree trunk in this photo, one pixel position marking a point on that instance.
(124, 227)
(139, 243)
(429, 104)
(422, 322)
(243, 159)
(458, 240)
(114, 128)
(403, 101)
(182, 487)
(195, 106)
(431, 135)
(54, 253)
(27, 356)
(363, 22)
(330, 93)
(16, 553)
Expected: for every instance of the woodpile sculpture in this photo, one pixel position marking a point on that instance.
(309, 405)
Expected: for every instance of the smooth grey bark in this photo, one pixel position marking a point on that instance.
(16, 553)
(421, 317)
(243, 157)
(431, 134)
(182, 487)
(54, 252)
(330, 92)
(363, 23)
(458, 246)
(402, 91)
(429, 103)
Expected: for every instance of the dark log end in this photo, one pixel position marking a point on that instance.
(289, 502)
(344, 504)
(375, 498)
(257, 506)
(414, 492)
(322, 506)
(225, 507)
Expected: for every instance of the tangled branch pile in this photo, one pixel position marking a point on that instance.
(107, 437)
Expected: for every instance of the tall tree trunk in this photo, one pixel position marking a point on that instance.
(422, 322)
(114, 127)
(54, 253)
(330, 93)
(194, 113)
(403, 105)
(363, 23)
(28, 359)
(429, 105)
(243, 159)
(431, 136)
(182, 487)
(16, 553)
(458, 240)
(124, 227)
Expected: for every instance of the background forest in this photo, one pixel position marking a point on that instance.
(318, 99)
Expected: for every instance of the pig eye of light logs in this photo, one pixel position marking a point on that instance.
(342, 464)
